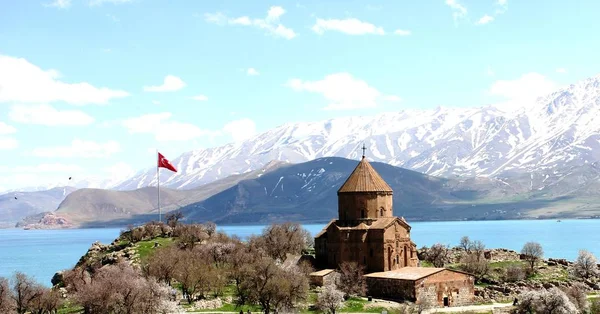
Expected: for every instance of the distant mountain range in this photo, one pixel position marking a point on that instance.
(306, 192)
(548, 149)
(15, 206)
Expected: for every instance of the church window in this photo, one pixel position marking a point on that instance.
(381, 212)
(347, 235)
(362, 213)
(365, 260)
(397, 259)
(371, 252)
(397, 244)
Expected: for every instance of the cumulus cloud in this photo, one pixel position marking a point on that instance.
(61, 4)
(270, 23)
(402, 32)
(561, 70)
(21, 81)
(350, 26)
(343, 91)
(200, 98)
(241, 129)
(8, 143)
(170, 83)
(6, 129)
(48, 115)
(522, 91)
(80, 149)
(485, 20)
(164, 128)
(458, 10)
(252, 72)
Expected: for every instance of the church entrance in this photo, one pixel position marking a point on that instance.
(446, 302)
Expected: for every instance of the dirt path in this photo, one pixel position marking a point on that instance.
(474, 308)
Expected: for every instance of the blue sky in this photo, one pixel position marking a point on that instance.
(93, 87)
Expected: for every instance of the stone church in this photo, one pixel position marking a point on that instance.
(367, 232)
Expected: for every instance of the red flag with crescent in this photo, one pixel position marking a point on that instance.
(165, 163)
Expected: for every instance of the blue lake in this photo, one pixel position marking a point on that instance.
(41, 253)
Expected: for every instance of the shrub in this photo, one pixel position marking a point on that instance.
(514, 273)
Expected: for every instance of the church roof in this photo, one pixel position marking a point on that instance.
(407, 273)
(364, 179)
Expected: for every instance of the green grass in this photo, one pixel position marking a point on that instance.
(70, 309)
(145, 248)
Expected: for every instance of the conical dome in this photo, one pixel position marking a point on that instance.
(364, 179)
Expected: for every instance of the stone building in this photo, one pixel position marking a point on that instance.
(367, 231)
(436, 286)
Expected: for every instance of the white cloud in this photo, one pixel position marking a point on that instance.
(48, 115)
(61, 4)
(6, 129)
(170, 83)
(270, 23)
(200, 98)
(485, 20)
(522, 91)
(561, 70)
(458, 10)
(240, 129)
(402, 32)
(252, 72)
(21, 81)
(503, 6)
(343, 91)
(163, 128)
(8, 143)
(79, 148)
(113, 18)
(349, 26)
(101, 2)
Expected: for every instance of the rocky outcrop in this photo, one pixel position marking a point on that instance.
(49, 220)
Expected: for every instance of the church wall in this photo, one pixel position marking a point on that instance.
(389, 288)
(354, 206)
(396, 243)
(457, 287)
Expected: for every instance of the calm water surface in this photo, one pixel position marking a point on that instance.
(40, 253)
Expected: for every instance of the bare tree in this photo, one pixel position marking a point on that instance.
(210, 228)
(478, 249)
(194, 274)
(330, 299)
(25, 292)
(438, 254)
(278, 240)
(586, 265)
(465, 244)
(7, 304)
(163, 263)
(189, 235)
(577, 293)
(49, 301)
(472, 263)
(532, 251)
(273, 287)
(173, 218)
(552, 301)
(351, 280)
(514, 273)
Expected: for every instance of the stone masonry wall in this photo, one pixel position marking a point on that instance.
(352, 206)
(459, 288)
(394, 289)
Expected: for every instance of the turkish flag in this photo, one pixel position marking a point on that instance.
(165, 163)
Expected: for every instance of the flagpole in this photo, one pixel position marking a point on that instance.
(158, 186)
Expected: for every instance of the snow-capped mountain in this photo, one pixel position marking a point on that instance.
(559, 130)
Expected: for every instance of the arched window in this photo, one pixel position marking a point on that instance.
(365, 260)
(381, 212)
(371, 252)
(362, 213)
